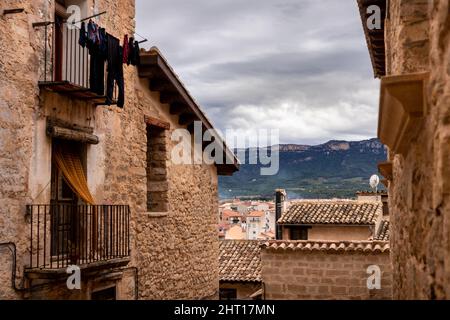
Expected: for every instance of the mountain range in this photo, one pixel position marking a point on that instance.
(336, 169)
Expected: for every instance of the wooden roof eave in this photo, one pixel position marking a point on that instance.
(153, 63)
(374, 39)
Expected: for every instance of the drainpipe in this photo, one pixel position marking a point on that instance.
(12, 248)
(136, 281)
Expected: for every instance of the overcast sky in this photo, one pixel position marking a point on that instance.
(300, 66)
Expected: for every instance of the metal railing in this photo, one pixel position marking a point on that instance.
(66, 234)
(64, 60)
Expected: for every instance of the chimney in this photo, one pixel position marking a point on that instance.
(280, 207)
(385, 201)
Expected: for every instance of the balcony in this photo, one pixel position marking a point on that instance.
(66, 65)
(89, 236)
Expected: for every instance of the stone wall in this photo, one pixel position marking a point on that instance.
(303, 274)
(175, 250)
(122, 280)
(178, 249)
(418, 39)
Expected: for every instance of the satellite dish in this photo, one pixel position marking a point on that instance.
(374, 181)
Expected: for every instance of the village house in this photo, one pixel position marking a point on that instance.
(305, 270)
(325, 270)
(86, 177)
(410, 53)
(235, 232)
(325, 250)
(257, 224)
(240, 270)
(336, 220)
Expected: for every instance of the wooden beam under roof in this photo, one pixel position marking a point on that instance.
(158, 84)
(177, 108)
(179, 99)
(169, 97)
(187, 118)
(375, 38)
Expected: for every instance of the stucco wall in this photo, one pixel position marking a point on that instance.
(418, 39)
(339, 233)
(323, 275)
(176, 252)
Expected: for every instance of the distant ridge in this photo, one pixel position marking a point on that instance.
(336, 168)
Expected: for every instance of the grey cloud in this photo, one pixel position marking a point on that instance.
(297, 65)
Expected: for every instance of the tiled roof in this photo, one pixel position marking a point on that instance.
(383, 231)
(240, 260)
(371, 193)
(348, 212)
(265, 235)
(230, 213)
(362, 246)
(256, 214)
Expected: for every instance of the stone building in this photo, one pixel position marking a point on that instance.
(86, 181)
(240, 269)
(410, 52)
(326, 270)
(335, 220)
(305, 270)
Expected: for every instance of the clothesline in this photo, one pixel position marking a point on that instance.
(142, 41)
(87, 18)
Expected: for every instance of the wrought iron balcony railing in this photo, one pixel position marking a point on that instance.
(65, 65)
(65, 234)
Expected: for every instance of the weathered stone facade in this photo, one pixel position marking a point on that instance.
(175, 251)
(306, 270)
(418, 40)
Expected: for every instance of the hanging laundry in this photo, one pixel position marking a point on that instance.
(103, 46)
(83, 35)
(115, 71)
(130, 50)
(137, 57)
(97, 71)
(97, 60)
(92, 32)
(125, 49)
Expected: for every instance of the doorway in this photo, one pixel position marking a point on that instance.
(64, 206)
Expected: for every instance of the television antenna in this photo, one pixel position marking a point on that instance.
(374, 181)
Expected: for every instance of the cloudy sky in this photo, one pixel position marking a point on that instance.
(300, 66)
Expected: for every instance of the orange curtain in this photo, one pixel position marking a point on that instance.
(72, 169)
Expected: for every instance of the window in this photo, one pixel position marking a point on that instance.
(105, 294)
(299, 233)
(157, 185)
(227, 294)
(63, 224)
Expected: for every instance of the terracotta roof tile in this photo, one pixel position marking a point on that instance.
(240, 260)
(362, 246)
(230, 214)
(349, 212)
(256, 214)
(383, 233)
